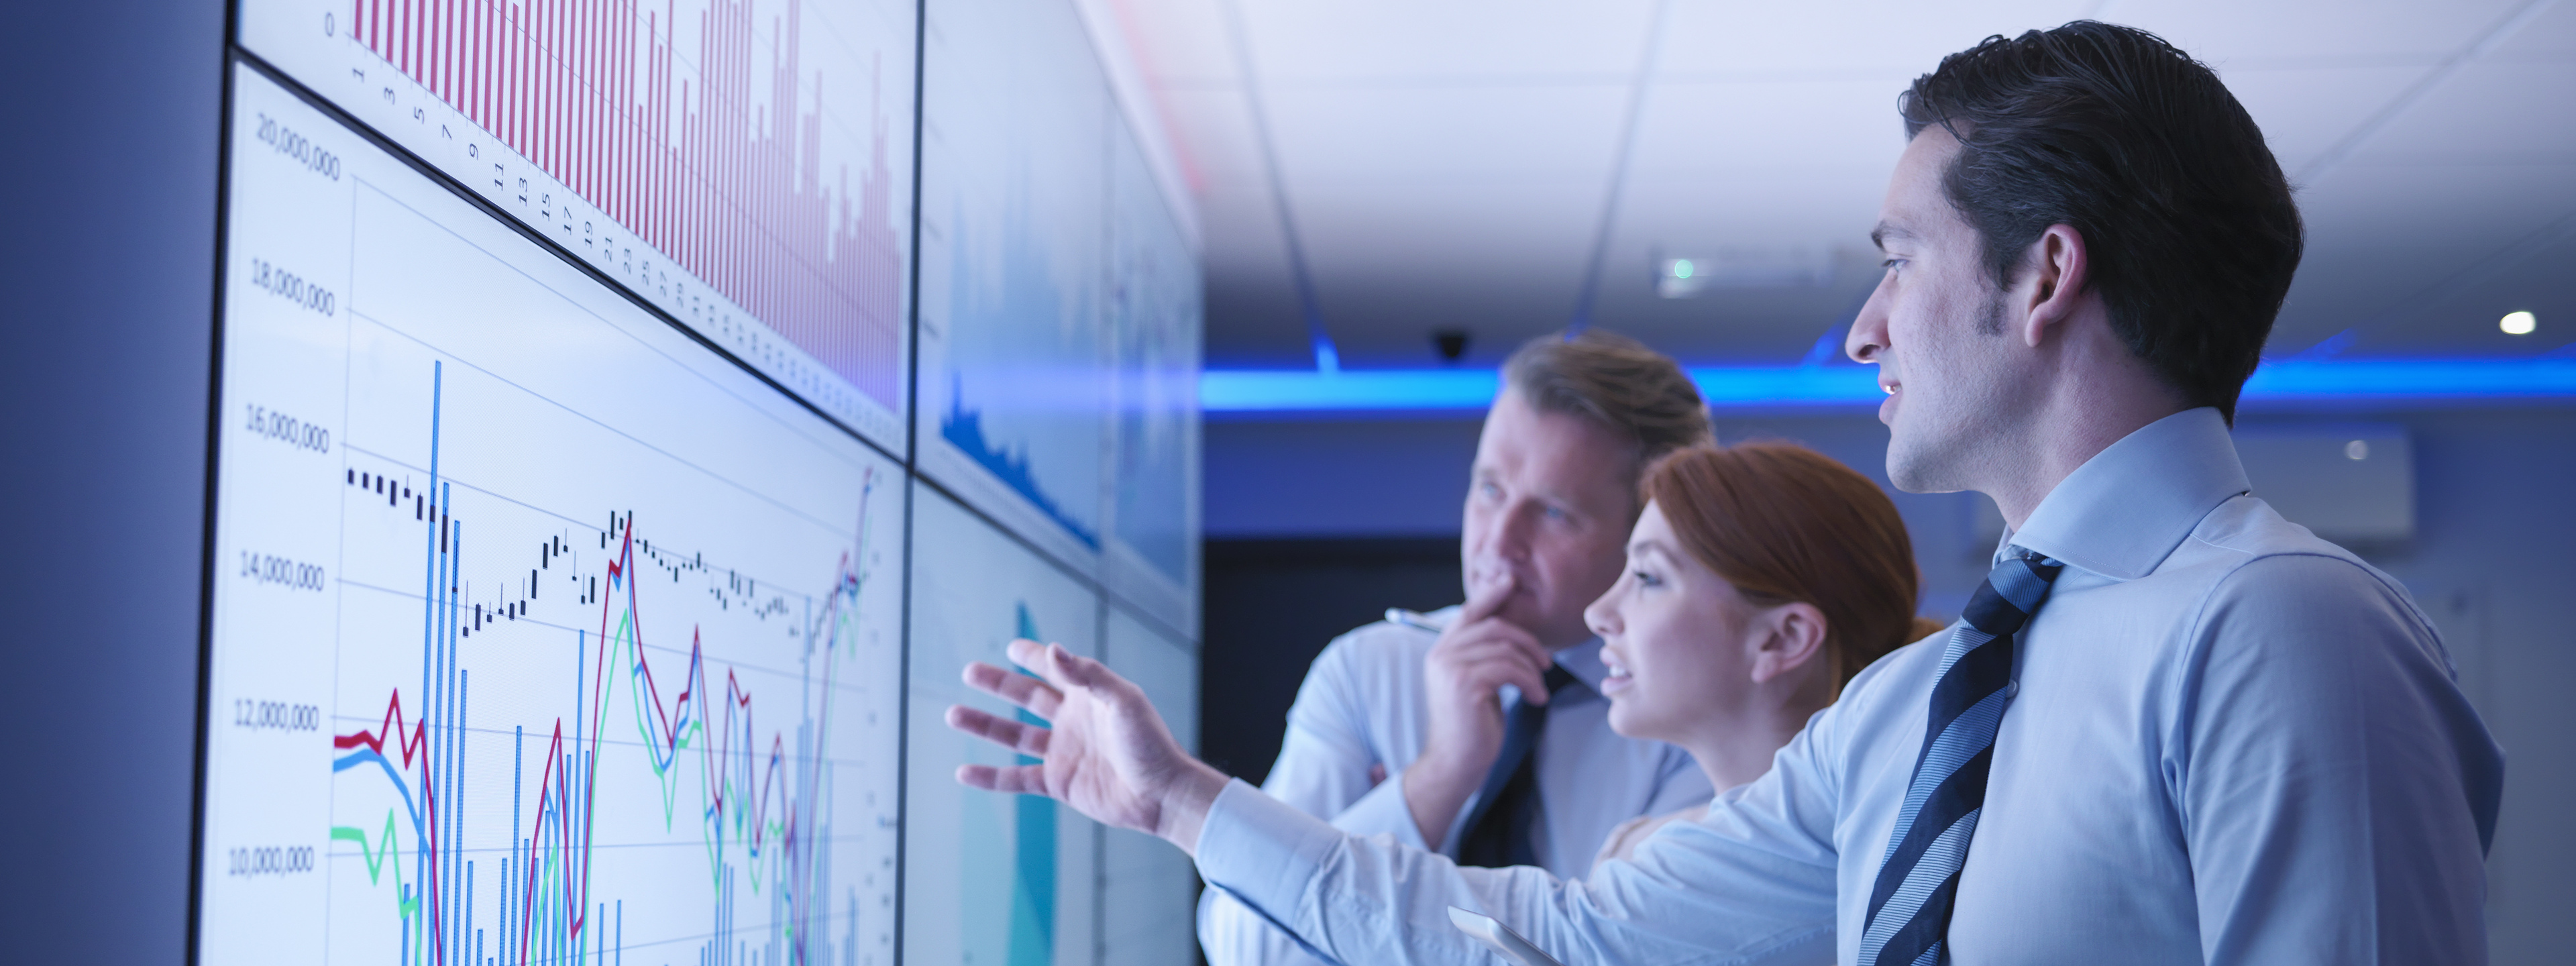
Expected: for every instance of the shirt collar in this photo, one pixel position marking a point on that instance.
(2126, 509)
(1584, 662)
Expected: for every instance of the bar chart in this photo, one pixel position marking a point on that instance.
(746, 166)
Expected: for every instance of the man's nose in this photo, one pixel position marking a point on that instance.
(1511, 533)
(1868, 337)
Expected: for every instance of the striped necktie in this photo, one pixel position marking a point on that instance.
(1918, 881)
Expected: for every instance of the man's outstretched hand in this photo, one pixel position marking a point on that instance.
(1109, 755)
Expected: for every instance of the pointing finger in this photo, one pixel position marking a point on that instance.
(1059, 666)
(1019, 689)
(1065, 670)
(1015, 779)
(1027, 739)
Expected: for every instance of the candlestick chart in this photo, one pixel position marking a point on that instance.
(544, 634)
(757, 806)
(744, 164)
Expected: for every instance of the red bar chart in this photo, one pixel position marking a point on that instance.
(760, 149)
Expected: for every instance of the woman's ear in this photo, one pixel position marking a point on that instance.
(1791, 636)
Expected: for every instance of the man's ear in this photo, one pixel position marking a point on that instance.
(1791, 636)
(2054, 288)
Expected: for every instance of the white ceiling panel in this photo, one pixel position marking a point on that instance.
(2550, 35)
(2305, 112)
(1405, 233)
(1215, 138)
(2435, 209)
(1732, 38)
(1243, 233)
(2282, 33)
(2520, 112)
(1341, 41)
(1698, 129)
(1689, 217)
(1444, 135)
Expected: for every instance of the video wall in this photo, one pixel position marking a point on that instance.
(632, 416)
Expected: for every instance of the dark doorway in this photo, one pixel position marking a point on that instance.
(1270, 606)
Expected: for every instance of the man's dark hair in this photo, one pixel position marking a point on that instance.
(2189, 230)
(1613, 382)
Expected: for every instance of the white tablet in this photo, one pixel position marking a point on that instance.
(1509, 944)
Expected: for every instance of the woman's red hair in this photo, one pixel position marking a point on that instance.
(1787, 524)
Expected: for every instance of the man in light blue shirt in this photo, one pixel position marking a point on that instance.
(1400, 725)
(2173, 728)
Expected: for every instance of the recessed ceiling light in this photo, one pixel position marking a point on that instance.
(1681, 278)
(2518, 323)
(2356, 450)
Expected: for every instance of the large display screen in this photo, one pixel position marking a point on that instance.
(584, 585)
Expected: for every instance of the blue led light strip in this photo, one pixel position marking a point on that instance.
(1748, 387)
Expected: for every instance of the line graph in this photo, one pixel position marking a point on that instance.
(744, 163)
(760, 801)
(554, 637)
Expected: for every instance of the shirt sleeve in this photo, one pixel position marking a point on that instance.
(1232, 935)
(1323, 771)
(2337, 790)
(1752, 882)
(1324, 758)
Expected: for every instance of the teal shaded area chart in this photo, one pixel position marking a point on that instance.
(990, 880)
(1033, 868)
(1059, 307)
(1014, 340)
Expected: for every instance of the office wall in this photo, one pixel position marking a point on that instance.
(2493, 561)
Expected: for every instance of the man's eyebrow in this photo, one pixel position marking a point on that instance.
(1879, 235)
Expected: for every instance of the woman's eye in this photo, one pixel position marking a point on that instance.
(1553, 513)
(1891, 264)
(1645, 579)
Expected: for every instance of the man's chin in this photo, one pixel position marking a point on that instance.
(1908, 469)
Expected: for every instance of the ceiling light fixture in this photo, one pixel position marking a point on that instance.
(2518, 323)
(1681, 278)
(1745, 268)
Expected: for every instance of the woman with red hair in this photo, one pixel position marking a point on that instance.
(1760, 578)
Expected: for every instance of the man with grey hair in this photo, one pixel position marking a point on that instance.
(1418, 727)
